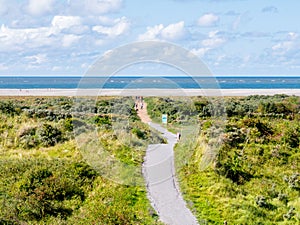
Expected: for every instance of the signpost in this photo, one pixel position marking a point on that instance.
(164, 118)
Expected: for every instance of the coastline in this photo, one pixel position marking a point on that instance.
(146, 92)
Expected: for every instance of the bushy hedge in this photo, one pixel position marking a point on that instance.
(42, 189)
(45, 135)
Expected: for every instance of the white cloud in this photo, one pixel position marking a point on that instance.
(70, 39)
(171, 32)
(291, 43)
(208, 20)
(121, 26)
(14, 39)
(37, 59)
(107, 21)
(51, 36)
(65, 22)
(151, 33)
(85, 65)
(200, 52)
(39, 7)
(56, 68)
(213, 40)
(292, 36)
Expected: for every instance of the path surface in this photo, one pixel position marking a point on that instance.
(142, 113)
(159, 173)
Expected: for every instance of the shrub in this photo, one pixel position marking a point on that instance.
(140, 134)
(283, 197)
(71, 123)
(290, 213)
(49, 135)
(27, 137)
(35, 190)
(293, 181)
(261, 201)
(292, 137)
(262, 127)
(9, 108)
(232, 167)
(101, 120)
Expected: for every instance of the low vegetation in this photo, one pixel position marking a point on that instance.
(44, 175)
(78, 161)
(253, 176)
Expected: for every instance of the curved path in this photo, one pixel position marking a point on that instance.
(159, 173)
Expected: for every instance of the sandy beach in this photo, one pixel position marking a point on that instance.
(146, 92)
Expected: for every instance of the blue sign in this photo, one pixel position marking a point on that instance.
(164, 118)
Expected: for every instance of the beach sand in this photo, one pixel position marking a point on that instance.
(146, 92)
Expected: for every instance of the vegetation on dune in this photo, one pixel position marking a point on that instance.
(44, 177)
(254, 176)
(242, 168)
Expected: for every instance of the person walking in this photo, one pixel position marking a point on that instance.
(178, 136)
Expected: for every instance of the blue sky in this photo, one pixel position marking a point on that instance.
(232, 37)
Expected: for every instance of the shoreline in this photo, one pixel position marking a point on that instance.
(146, 92)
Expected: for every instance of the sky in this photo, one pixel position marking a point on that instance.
(232, 37)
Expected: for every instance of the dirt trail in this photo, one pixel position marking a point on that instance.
(159, 174)
(142, 113)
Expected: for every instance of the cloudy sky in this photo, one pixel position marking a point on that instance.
(64, 37)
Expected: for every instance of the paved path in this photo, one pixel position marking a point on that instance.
(162, 188)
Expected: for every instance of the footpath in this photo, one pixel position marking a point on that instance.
(159, 174)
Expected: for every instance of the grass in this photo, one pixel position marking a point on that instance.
(60, 183)
(66, 163)
(254, 176)
(236, 202)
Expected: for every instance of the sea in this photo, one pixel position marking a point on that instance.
(139, 82)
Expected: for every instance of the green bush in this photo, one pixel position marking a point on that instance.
(28, 138)
(9, 108)
(36, 190)
(71, 123)
(49, 135)
(293, 181)
(292, 137)
(101, 120)
(140, 134)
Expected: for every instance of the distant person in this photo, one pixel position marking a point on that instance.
(142, 105)
(178, 136)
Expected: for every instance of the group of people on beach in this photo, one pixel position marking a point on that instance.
(139, 103)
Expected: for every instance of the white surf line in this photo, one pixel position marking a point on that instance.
(162, 188)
